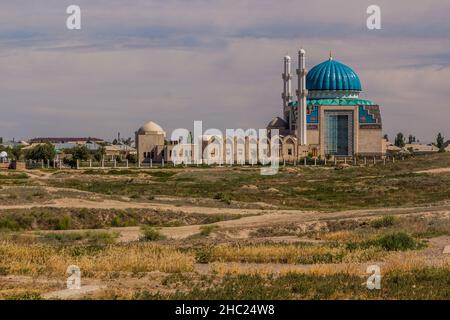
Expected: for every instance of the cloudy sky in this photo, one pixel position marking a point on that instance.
(220, 61)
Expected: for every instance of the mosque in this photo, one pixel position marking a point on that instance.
(327, 119)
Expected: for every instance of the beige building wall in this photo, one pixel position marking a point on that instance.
(370, 142)
(146, 144)
(313, 136)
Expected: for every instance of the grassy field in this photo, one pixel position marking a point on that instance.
(228, 232)
(322, 188)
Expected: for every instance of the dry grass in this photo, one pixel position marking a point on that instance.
(292, 254)
(222, 269)
(409, 261)
(342, 235)
(46, 260)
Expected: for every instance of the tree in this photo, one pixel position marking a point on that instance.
(411, 139)
(128, 141)
(80, 152)
(42, 151)
(16, 152)
(400, 140)
(440, 142)
(99, 154)
(386, 137)
(132, 158)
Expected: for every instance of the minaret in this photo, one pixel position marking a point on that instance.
(301, 98)
(287, 93)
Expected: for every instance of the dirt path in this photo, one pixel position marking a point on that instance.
(72, 293)
(116, 204)
(297, 217)
(435, 171)
(240, 227)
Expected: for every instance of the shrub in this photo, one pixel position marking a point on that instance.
(398, 241)
(204, 255)
(117, 222)
(383, 222)
(206, 230)
(64, 223)
(151, 234)
(24, 296)
(92, 237)
(9, 224)
(222, 197)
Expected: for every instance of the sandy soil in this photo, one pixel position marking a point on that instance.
(435, 171)
(116, 204)
(239, 228)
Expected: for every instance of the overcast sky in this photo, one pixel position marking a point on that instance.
(176, 61)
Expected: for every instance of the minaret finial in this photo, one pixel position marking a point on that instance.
(331, 55)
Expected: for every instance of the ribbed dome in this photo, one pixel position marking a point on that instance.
(332, 75)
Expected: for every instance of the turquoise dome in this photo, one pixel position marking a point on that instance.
(332, 75)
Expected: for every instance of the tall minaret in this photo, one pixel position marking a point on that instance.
(287, 93)
(301, 98)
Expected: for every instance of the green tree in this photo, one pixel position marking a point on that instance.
(411, 139)
(43, 151)
(400, 140)
(99, 154)
(386, 137)
(132, 158)
(128, 141)
(440, 142)
(80, 152)
(16, 152)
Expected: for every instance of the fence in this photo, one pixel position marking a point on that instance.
(114, 164)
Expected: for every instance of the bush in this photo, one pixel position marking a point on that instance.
(117, 222)
(151, 234)
(91, 237)
(64, 223)
(222, 197)
(206, 230)
(383, 222)
(9, 224)
(204, 255)
(398, 241)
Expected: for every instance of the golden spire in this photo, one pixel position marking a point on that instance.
(331, 55)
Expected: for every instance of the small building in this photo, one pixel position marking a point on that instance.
(61, 140)
(421, 148)
(150, 141)
(119, 150)
(393, 149)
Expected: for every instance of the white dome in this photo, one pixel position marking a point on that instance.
(151, 127)
(3, 154)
